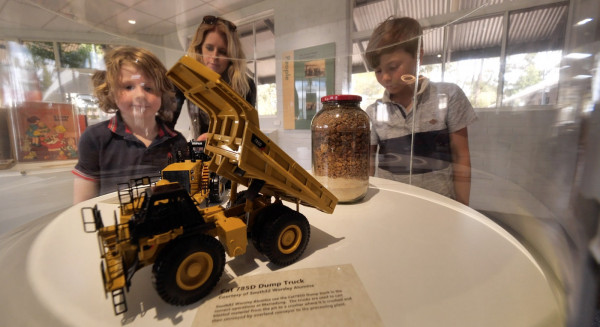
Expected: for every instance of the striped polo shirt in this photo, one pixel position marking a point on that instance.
(442, 108)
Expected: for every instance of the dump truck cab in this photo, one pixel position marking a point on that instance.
(164, 208)
(193, 175)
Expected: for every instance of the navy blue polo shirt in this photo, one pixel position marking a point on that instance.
(110, 154)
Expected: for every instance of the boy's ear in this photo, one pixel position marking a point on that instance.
(421, 53)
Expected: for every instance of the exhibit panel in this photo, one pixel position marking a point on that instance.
(484, 170)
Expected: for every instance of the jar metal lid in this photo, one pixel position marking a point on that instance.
(341, 97)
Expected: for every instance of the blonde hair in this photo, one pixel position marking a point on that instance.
(391, 35)
(236, 72)
(106, 82)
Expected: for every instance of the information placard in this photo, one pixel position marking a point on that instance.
(325, 296)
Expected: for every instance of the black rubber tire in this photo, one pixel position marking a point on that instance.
(188, 269)
(268, 213)
(284, 239)
(217, 188)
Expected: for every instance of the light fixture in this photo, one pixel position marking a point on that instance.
(582, 76)
(439, 55)
(131, 21)
(583, 21)
(578, 55)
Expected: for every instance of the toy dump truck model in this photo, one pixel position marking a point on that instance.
(193, 175)
(169, 224)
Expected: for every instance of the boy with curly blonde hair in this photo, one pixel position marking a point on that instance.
(136, 141)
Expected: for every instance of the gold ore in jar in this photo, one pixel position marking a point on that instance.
(340, 147)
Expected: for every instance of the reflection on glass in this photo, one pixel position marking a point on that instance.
(533, 56)
(24, 74)
(532, 79)
(258, 42)
(264, 101)
(478, 78)
(81, 55)
(529, 68)
(43, 61)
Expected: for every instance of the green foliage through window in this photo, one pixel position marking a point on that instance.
(42, 54)
(81, 55)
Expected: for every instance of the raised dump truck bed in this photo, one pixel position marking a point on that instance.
(239, 150)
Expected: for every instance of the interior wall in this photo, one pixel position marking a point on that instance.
(298, 25)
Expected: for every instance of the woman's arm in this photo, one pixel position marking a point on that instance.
(84, 189)
(461, 164)
(179, 98)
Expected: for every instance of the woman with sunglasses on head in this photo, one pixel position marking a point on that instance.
(217, 45)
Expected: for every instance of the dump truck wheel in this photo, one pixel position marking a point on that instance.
(268, 213)
(217, 188)
(284, 239)
(188, 269)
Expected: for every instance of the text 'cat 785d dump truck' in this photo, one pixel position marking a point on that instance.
(170, 225)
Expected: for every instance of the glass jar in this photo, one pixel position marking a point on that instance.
(340, 147)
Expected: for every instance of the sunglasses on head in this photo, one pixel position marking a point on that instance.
(212, 20)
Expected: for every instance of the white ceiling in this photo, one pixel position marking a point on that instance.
(157, 18)
(153, 17)
(47, 19)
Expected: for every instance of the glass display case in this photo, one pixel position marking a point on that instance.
(529, 69)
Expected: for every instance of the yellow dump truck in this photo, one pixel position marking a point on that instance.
(194, 176)
(169, 225)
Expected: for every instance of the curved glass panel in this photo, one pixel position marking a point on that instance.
(502, 113)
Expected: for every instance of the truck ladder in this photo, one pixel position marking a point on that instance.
(119, 301)
(113, 273)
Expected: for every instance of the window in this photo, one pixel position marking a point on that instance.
(478, 78)
(474, 49)
(63, 79)
(531, 79)
(366, 85)
(82, 55)
(266, 94)
(41, 56)
(258, 42)
(24, 74)
(534, 56)
(471, 53)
